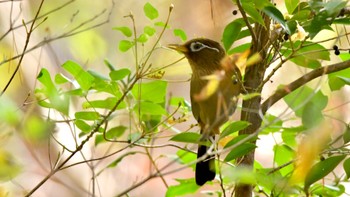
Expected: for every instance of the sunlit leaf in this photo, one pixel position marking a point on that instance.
(188, 137)
(180, 33)
(142, 38)
(9, 112)
(185, 186)
(186, 157)
(119, 74)
(234, 127)
(339, 79)
(154, 91)
(61, 79)
(84, 79)
(9, 167)
(87, 115)
(125, 45)
(82, 125)
(150, 108)
(150, 31)
(125, 30)
(58, 101)
(251, 10)
(162, 24)
(150, 11)
(282, 155)
(291, 5)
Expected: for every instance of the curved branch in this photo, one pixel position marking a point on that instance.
(280, 93)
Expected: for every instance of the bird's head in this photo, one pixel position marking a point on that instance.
(201, 53)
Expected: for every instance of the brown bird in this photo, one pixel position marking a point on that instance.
(213, 91)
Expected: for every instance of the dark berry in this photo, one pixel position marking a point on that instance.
(336, 52)
(234, 12)
(335, 47)
(286, 36)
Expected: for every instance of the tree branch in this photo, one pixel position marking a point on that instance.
(280, 93)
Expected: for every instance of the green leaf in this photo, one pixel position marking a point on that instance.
(119, 74)
(150, 11)
(36, 129)
(346, 167)
(82, 125)
(282, 155)
(142, 38)
(238, 139)
(230, 34)
(84, 79)
(321, 169)
(108, 103)
(346, 134)
(125, 30)
(185, 186)
(240, 49)
(342, 21)
(291, 5)
(115, 132)
(186, 157)
(291, 26)
(338, 79)
(133, 137)
(61, 79)
(150, 31)
(149, 108)
(276, 15)
(109, 65)
(58, 101)
(125, 45)
(187, 137)
(271, 124)
(87, 115)
(154, 91)
(289, 135)
(307, 104)
(240, 151)
(99, 139)
(9, 112)
(180, 33)
(250, 8)
(9, 168)
(161, 24)
(117, 161)
(234, 127)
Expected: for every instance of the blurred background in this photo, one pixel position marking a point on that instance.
(82, 31)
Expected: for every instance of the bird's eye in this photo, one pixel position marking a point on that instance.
(196, 46)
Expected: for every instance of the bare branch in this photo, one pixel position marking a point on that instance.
(280, 93)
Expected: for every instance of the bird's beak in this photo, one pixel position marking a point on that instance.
(178, 47)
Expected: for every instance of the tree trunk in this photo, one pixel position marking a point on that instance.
(250, 108)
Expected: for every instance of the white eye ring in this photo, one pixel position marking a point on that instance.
(196, 46)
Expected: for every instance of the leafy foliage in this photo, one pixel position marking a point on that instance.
(129, 106)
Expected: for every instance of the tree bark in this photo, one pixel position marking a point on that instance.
(250, 108)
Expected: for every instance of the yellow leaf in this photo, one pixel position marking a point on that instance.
(211, 87)
(308, 151)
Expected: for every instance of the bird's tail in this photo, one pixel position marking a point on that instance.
(205, 169)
